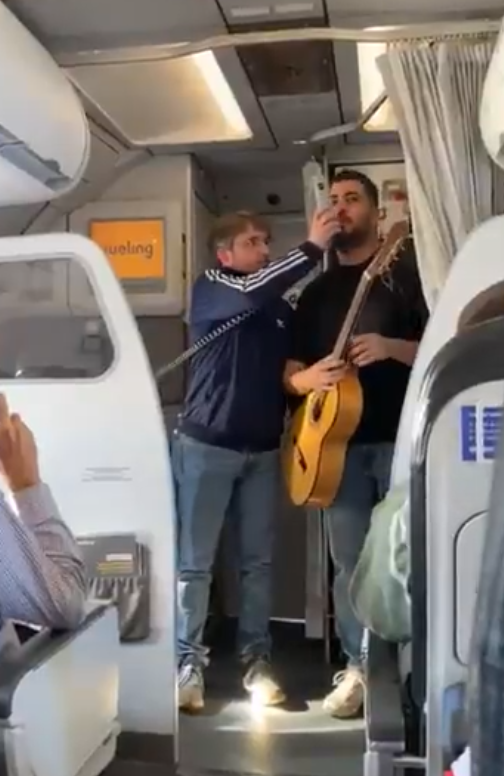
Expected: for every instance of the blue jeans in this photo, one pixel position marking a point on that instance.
(212, 483)
(365, 482)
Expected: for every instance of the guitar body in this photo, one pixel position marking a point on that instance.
(314, 453)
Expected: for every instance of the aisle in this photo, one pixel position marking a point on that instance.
(296, 740)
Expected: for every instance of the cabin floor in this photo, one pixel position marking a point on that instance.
(298, 739)
(231, 738)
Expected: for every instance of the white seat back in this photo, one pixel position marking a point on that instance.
(459, 422)
(458, 492)
(477, 266)
(64, 710)
(91, 400)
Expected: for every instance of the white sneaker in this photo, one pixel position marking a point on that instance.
(191, 688)
(261, 684)
(347, 698)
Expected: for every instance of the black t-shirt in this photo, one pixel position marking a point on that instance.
(395, 308)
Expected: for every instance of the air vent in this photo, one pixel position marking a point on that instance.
(246, 12)
(288, 69)
(296, 9)
(293, 8)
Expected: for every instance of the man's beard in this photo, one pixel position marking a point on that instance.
(346, 241)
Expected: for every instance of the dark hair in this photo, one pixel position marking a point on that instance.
(228, 227)
(367, 184)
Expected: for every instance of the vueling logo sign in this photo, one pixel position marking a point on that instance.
(135, 249)
(129, 248)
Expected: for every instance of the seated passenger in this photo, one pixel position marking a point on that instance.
(42, 578)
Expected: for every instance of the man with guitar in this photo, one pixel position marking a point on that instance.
(381, 351)
(225, 451)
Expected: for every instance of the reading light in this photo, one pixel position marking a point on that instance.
(371, 85)
(223, 94)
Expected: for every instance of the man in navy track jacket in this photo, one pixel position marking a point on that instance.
(225, 451)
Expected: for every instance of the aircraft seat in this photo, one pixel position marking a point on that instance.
(59, 697)
(385, 733)
(455, 443)
(456, 434)
(453, 412)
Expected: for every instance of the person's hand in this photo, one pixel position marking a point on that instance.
(18, 451)
(323, 227)
(366, 349)
(321, 376)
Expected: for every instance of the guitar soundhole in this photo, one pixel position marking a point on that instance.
(316, 410)
(300, 456)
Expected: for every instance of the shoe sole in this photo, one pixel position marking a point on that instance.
(191, 704)
(275, 700)
(342, 715)
(191, 708)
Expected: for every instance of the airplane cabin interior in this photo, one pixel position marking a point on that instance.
(126, 128)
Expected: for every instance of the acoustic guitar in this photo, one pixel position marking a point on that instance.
(314, 452)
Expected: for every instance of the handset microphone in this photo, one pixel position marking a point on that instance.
(316, 193)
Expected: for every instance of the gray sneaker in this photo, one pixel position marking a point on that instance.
(261, 684)
(191, 688)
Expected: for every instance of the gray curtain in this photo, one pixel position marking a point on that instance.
(435, 90)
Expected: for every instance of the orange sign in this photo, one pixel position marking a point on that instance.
(135, 249)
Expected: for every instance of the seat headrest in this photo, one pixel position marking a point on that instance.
(486, 306)
(491, 112)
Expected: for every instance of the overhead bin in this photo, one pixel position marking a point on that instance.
(44, 134)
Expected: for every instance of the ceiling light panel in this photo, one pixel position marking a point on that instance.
(172, 102)
(371, 86)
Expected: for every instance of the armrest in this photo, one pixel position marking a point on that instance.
(18, 660)
(384, 709)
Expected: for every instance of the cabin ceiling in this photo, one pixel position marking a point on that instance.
(286, 92)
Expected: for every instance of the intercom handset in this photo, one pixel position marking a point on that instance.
(316, 189)
(321, 193)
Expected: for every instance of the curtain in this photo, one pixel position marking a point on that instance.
(435, 91)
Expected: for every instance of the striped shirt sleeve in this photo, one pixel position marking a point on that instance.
(224, 294)
(42, 576)
(247, 284)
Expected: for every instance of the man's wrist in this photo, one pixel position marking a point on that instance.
(389, 347)
(401, 350)
(297, 383)
(21, 484)
(320, 244)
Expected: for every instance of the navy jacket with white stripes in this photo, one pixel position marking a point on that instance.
(235, 397)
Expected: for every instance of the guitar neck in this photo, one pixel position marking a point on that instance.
(352, 316)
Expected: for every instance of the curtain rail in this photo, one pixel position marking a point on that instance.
(427, 32)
